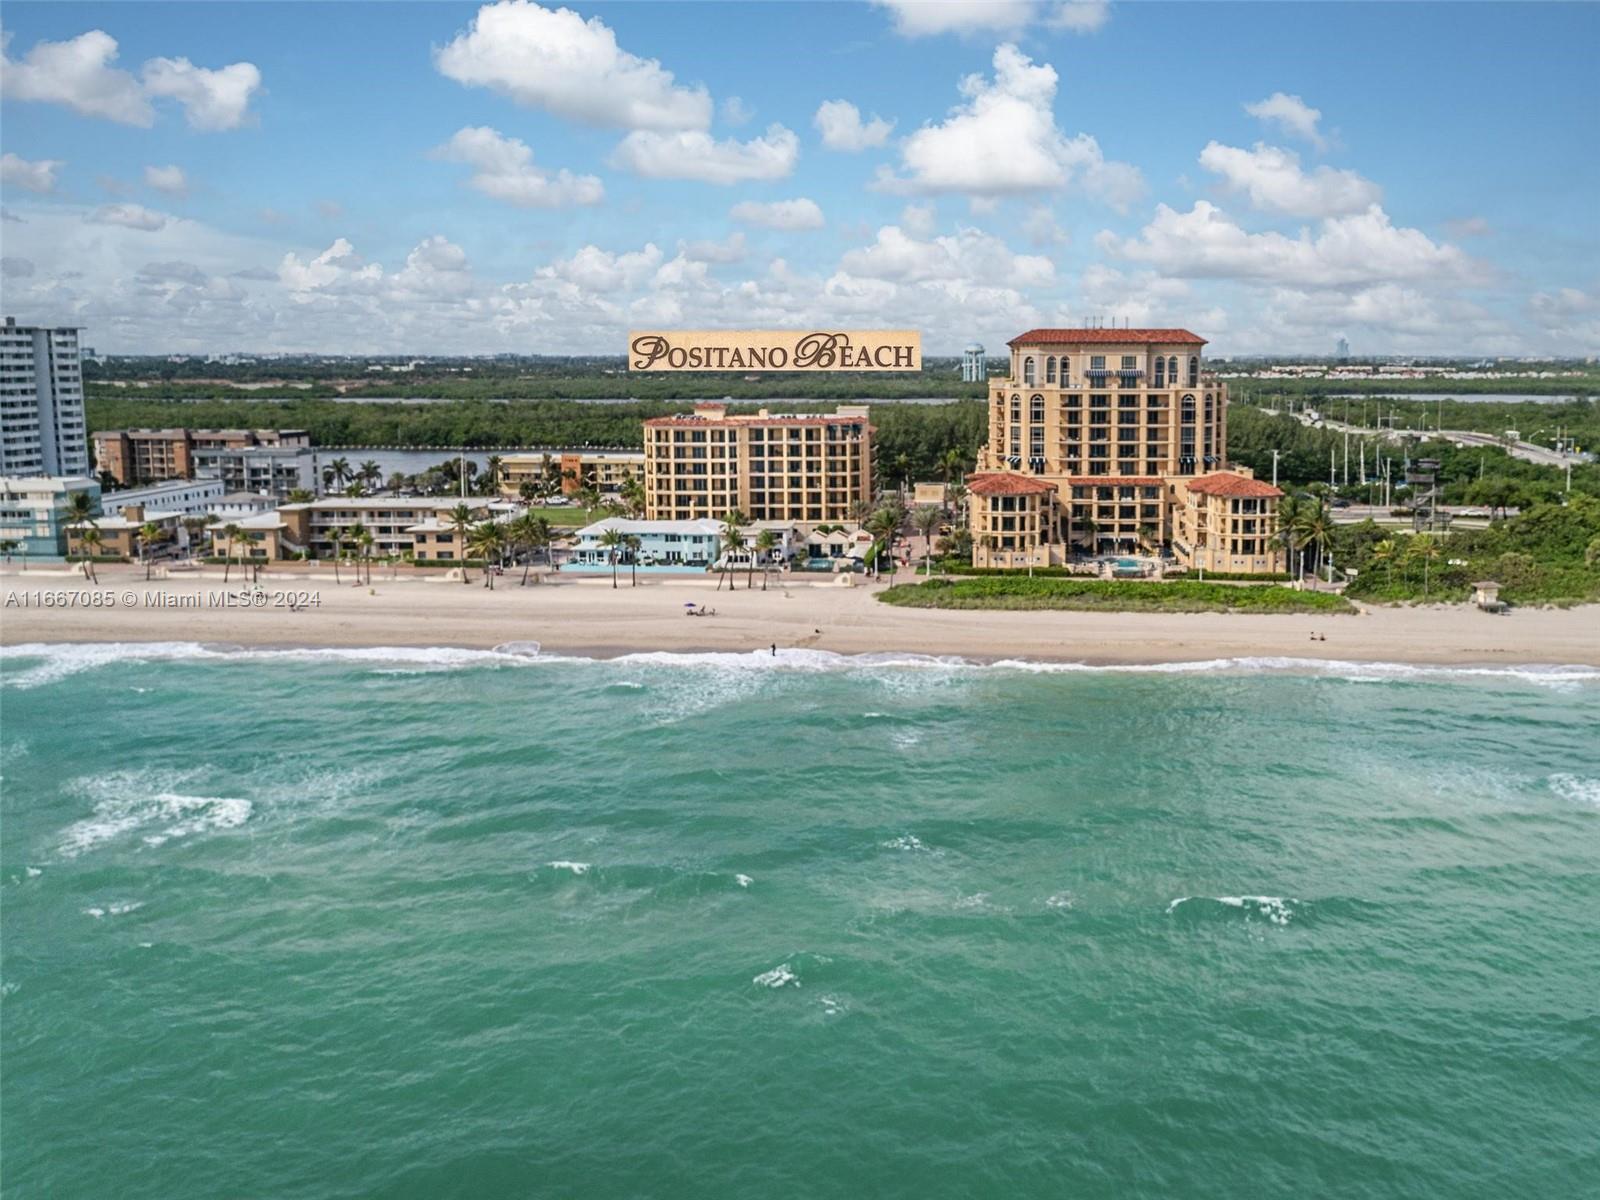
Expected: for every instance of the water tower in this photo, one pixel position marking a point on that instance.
(974, 364)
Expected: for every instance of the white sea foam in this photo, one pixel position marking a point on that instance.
(1578, 788)
(1274, 908)
(33, 872)
(577, 868)
(906, 841)
(1059, 900)
(127, 801)
(743, 881)
(832, 1006)
(114, 910)
(779, 976)
(62, 659)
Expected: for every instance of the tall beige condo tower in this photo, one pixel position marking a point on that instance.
(807, 468)
(1090, 440)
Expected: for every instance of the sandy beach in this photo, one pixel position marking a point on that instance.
(587, 616)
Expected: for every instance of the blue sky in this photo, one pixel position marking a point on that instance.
(378, 177)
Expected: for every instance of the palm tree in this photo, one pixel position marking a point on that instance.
(91, 547)
(925, 519)
(528, 490)
(1316, 529)
(1090, 527)
(492, 465)
(371, 472)
(766, 542)
(461, 522)
(950, 464)
(364, 540)
(531, 532)
(149, 532)
(300, 496)
(486, 541)
(860, 510)
(883, 525)
(1425, 549)
(353, 536)
(1385, 552)
(338, 471)
(733, 523)
(7, 547)
(632, 493)
(613, 539)
(1291, 515)
(80, 512)
(232, 532)
(336, 536)
(635, 544)
(354, 491)
(397, 482)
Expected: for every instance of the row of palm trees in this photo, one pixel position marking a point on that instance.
(1305, 526)
(492, 541)
(733, 541)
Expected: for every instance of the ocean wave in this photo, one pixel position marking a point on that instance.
(1276, 909)
(127, 802)
(1576, 788)
(63, 659)
(781, 975)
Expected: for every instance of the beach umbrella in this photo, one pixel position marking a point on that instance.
(690, 604)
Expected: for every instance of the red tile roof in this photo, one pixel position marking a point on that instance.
(1008, 485)
(1102, 337)
(1225, 483)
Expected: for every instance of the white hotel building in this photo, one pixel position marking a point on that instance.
(41, 402)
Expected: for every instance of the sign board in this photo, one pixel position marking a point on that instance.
(775, 350)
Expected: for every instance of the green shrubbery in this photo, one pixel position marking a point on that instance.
(1020, 592)
(1549, 554)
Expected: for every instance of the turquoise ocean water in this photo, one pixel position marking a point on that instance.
(450, 923)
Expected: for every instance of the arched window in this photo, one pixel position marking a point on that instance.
(1050, 369)
(1027, 370)
(1161, 369)
(1194, 371)
(1172, 369)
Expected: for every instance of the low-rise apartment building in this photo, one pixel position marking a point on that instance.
(123, 533)
(189, 497)
(33, 511)
(569, 470)
(694, 543)
(806, 469)
(134, 457)
(400, 527)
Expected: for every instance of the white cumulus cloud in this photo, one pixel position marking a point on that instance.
(1275, 183)
(212, 99)
(170, 179)
(842, 128)
(969, 254)
(1364, 248)
(692, 154)
(555, 60)
(1004, 140)
(503, 168)
(730, 250)
(1290, 114)
(79, 73)
(920, 18)
(130, 216)
(36, 176)
(799, 213)
(1081, 16)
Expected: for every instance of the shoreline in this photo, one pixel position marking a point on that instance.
(588, 618)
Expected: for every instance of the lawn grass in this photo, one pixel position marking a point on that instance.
(1089, 595)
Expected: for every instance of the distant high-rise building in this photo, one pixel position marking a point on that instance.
(974, 364)
(41, 402)
(1342, 350)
